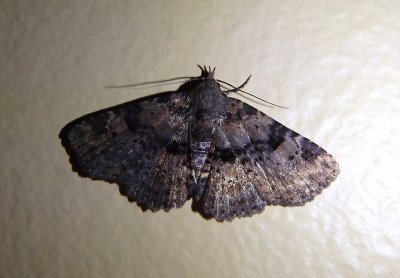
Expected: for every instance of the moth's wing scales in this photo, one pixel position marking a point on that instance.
(258, 161)
(140, 145)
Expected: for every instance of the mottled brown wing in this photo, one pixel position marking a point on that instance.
(136, 145)
(258, 161)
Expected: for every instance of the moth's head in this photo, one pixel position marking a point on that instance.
(206, 77)
(207, 73)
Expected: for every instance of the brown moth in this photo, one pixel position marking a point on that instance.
(196, 142)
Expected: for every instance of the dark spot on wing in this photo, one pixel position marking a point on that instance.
(309, 150)
(226, 155)
(239, 115)
(244, 159)
(232, 118)
(163, 98)
(249, 110)
(176, 148)
(277, 134)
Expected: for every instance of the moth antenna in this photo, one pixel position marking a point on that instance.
(234, 88)
(264, 100)
(239, 89)
(153, 84)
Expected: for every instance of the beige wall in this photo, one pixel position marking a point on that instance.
(335, 63)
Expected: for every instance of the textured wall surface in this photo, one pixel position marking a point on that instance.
(336, 64)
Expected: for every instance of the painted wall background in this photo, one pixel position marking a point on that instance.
(335, 63)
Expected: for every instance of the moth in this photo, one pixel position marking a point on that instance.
(198, 143)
